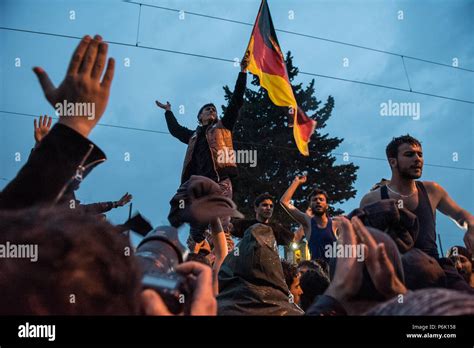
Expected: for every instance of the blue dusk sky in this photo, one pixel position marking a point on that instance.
(439, 31)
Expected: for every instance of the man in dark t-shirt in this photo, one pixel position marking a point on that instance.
(263, 206)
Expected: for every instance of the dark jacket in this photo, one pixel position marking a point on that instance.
(251, 280)
(219, 139)
(70, 201)
(49, 168)
(385, 215)
(283, 236)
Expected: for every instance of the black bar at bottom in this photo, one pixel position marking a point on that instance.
(133, 331)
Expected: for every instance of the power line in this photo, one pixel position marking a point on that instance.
(138, 26)
(351, 155)
(190, 13)
(406, 73)
(232, 61)
(300, 34)
(98, 124)
(119, 43)
(244, 142)
(387, 87)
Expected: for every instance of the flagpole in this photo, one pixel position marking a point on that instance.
(255, 23)
(268, 64)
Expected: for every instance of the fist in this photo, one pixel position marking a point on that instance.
(301, 179)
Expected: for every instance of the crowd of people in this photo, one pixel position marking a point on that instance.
(380, 259)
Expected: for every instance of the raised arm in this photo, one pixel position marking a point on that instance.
(299, 234)
(294, 212)
(61, 151)
(181, 133)
(233, 109)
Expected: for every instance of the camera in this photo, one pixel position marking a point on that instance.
(158, 255)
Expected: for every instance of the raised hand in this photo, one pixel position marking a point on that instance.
(378, 264)
(166, 106)
(348, 274)
(124, 200)
(82, 85)
(301, 179)
(245, 62)
(42, 127)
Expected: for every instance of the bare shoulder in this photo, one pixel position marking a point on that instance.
(433, 187)
(430, 184)
(370, 197)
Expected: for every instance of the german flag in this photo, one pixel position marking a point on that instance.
(266, 61)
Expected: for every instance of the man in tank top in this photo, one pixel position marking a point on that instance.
(423, 198)
(320, 229)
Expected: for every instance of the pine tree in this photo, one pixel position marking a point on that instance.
(263, 127)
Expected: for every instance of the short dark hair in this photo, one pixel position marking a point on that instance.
(261, 198)
(318, 191)
(312, 283)
(82, 266)
(203, 107)
(392, 148)
(289, 271)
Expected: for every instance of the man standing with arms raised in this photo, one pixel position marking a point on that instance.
(208, 144)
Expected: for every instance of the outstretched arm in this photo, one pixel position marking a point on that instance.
(449, 207)
(97, 208)
(181, 133)
(233, 109)
(64, 147)
(294, 212)
(103, 207)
